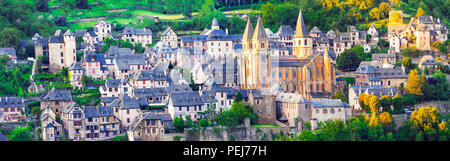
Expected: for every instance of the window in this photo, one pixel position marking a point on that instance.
(325, 111)
(294, 73)
(153, 122)
(287, 74)
(128, 120)
(128, 111)
(317, 87)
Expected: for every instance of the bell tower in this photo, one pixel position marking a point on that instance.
(303, 43)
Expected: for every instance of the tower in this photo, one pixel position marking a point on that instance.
(215, 24)
(303, 43)
(69, 56)
(246, 48)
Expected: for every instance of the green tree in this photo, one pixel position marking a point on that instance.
(42, 5)
(348, 60)
(204, 123)
(179, 124)
(340, 95)
(21, 133)
(9, 37)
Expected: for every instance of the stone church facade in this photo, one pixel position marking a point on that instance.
(307, 72)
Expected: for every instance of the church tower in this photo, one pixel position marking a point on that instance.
(255, 58)
(215, 24)
(303, 43)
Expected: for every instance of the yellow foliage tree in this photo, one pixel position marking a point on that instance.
(414, 85)
(420, 12)
(443, 126)
(374, 104)
(425, 118)
(394, 3)
(384, 8)
(395, 18)
(397, 96)
(374, 121)
(361, 98)
(375, 13)
(367, 100)
(385, 118)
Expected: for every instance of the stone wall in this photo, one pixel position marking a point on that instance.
(443, 107)
(239, 133)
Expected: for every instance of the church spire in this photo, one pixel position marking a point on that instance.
(301, 28)
(260, 33)
(248, 33)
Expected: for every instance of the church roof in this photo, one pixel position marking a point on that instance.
(260, 33)
(301, 28)
(285, 30)
(215, 22)
(248, 33)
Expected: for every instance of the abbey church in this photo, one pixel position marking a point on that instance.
(306, 71)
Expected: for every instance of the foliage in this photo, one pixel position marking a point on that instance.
(121, 138)
(204, 123)
(178, 123)
(236, 115)
(348, 60)
(21, 133)
(340, 95)
(414, 85)
(426, 124)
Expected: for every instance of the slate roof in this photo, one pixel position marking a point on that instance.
(166, 31)
(378, 56)
(113, 83)
(76, 66)
(376, 90)
(285, 30)
(72, 108)
(97, 58)
(208, 96)
(133, 31)
(177, 88)
(98, 111)
(55, 95)
(290, 98)
(364, 69)
(129, 103)
(43, 42)
(151, 75)
(186, 99)
(115, 51)
(162, 66)
(6, 102)
(218, 35)
(80, 33)
(215, 22)
(9, 51)
(329, 103)
(107, 99)
(315, 30)
(150, 92)
(124, 61)
(395, 72)
(154, 116)
(3, 137)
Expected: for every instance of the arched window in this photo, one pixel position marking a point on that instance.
(317, 111)
(339, 110)
(332, 111)
(325, 111)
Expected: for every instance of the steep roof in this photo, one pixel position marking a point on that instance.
(98, 111)
(55, 95)
(329, 103)
(186, 99)
(259, 33)
(285, 30)
(6, 102)
(301, 28)
(215, 22)
(248, 33)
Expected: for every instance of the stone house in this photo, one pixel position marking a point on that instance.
(292, 107)
(323, 110)
(102, 29)
(143, 36)
(149, 79)
(57, 100)
(115, 88)
(149, 127)
(170, 38)
(11, 109)
(377, 90)
(72, 118)
(125, 65)
(100, 123)
(383, 58)
(186, 104)
(95, 66)
(51, 129)
(427, 61)
(388, 74)
(76, 74)
(263, 102)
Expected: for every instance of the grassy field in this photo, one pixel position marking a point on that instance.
(243, 11)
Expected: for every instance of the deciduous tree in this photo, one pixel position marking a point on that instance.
(414, 85)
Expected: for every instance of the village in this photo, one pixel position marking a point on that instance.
(92, 86)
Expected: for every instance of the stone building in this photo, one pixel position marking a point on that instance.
(427, 61)
(11, 109)
(387, 74)
(377, 90)
(263, 102)
(76, 74)
(95, 66)
(307, 72)
(323, 110)
(292, 107)
(149, 127)
(383, 58)
(186, 104)
(57, 100)
(100, 123)
(51, 129)
(143, 36)
(62, 51)
(72, 118)
(346, 40)
(170, 38)
(102, 29)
